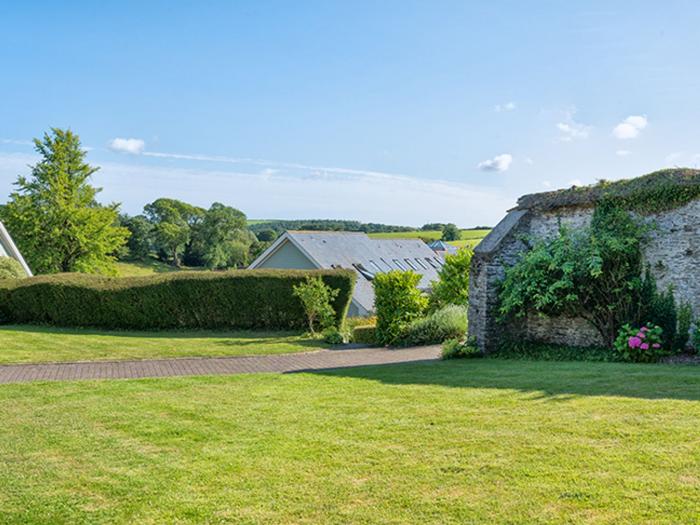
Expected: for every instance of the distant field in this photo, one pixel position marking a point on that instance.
(143, 268)
(470, 238)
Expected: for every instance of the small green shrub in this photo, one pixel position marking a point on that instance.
(11, 269)
(365, 335)
(240, 299)
(685, 320)
(453, 285)
(640, 345)
(449, 322)
(664, 314)
(335, 336)
(460, 348)
(695, 340)
(398, 303)
(316, 297)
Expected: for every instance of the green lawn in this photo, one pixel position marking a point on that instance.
(148, 267)
(485, 441)
(469, 238)
(34, 344)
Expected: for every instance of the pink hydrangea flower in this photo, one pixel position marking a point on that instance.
(641, 335)
(644, 346)
(634, 342)
(656, 345)
(645, 329)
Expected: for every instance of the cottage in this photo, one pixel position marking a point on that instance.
(672, 253)
(306, 250)
(8, 249)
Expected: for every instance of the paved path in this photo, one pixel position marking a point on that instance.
(320, 360)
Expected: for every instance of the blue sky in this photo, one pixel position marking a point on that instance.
(401, 112)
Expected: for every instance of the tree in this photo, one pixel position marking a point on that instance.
(316, 297)
(140, 244)
(221, 239)
(54, 217)
(11, 269)
(453, 285)
(398, 303)
(268, 235)
(172, 222)
(450, 232)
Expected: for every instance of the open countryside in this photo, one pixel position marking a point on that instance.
(481, 303)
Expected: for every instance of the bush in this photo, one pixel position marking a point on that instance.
(448, 323)
(696, 336)
(643, 345)
(685, 320)
(398, 303)
(336, 336)
(453, 286)
(242, 299)
(316, 296)
(11, 269)
(459, 348)
(365, 335)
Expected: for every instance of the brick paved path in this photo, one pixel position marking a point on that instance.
(320, 360)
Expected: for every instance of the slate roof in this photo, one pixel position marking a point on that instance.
(367, 256)
(8, 249)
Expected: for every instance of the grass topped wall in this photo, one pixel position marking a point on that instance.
(240, 299)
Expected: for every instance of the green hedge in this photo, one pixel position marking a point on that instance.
(366, 335)
(243, 299)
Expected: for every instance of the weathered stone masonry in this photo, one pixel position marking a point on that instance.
(673, 253)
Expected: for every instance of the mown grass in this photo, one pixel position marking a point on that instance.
(36, 344)
(479, 441)
(147, 267)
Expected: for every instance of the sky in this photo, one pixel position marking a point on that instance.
(399, 112)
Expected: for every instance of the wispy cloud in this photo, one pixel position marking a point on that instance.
(508, 106)
(571, 130)
(131, 146)
(631, 127)
(498, 163)
(16, 142)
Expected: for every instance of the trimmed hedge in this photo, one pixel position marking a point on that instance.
(241, 299)
(366, 335)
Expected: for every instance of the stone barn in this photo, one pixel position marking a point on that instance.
(672, 252)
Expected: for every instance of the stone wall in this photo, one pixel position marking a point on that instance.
(673, 253)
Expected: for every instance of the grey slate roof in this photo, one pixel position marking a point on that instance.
(8, 249)
(357, 251)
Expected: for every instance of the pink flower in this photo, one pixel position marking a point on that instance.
(644, 346)
(641, 335)
(634, 342)
(645, 329)
(656, 345)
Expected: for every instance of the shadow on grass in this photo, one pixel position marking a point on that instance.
(557, 381)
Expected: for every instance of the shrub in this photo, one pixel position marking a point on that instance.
(449, 322)
(243, 299)
(643, 345)
(316, 297)
(365, 335)
(663, 314)
(336, 336)
(696, 336)
(453, 285)
(459, 348)
(11, 269)
(685, 320)
(398, 303)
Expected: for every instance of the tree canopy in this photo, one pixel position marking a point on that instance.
(54, 217)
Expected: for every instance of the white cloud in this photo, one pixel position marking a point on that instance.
(498, 163)
(508, 106)
(16, 142)
(623, 152)
(630, 127)
(131, 146)
(572, 130)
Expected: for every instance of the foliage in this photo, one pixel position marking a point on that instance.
(365, 334)
(537, 351)
(316, 298)
(172, 223)
(696, 336)
(450, 232)
(221, 239)
(11, 269)
(238, 299)
(460, 348)
(449, 322)
(140, 243)
(336, 336)
(326, 225)
(453, 285)
(640, 345)
(266, 235)
(54, 217)
(685, 321)
(398, 303)
(663, 313)
(593, 273)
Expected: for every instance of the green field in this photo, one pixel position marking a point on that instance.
(480, 441)
(35, 344)
(470, 238)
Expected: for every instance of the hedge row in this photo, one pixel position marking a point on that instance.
(239, 299)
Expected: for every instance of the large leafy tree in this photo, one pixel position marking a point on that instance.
(54, 217)
(221, 239)
(172, 222)
(450, 232)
